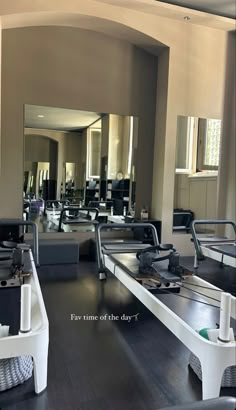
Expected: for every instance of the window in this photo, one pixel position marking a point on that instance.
(212, 143)
(208, 153)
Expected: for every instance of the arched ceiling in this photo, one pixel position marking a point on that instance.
(119, 18)
(97, 23)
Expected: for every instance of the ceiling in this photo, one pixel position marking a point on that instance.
(59, 119)
(224, 8)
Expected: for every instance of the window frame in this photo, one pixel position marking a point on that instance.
(189, 148)
(201, 149)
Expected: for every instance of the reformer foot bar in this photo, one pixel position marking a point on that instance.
(215, 357)
(217, 248)
(33, 336)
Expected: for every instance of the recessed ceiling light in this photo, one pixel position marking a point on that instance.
(40, 116)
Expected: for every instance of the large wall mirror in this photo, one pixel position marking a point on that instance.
(197, 161)
(77, 158)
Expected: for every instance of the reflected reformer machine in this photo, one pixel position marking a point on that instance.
(75, 218)
(54, 206)
(219, 248)
(161, 290)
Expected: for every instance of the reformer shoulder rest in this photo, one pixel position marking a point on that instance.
(153, 251)
(151, 261)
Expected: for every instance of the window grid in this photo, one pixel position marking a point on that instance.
(212, 144)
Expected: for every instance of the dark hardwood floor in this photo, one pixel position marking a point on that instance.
(110, 364)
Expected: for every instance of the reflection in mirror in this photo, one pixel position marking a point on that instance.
(70, 175)
(197, 161)
(94, 150)
(184, 143)
(77, 158)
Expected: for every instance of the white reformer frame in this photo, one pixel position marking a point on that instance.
(50, 212)
(116, 218)
(203, 245)
(53, 218)
(34, 343)
(214, 357)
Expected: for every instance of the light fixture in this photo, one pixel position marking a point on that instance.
(131, 136)
(186, 18)
(40, 116)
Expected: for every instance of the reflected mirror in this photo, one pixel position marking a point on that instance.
(76, 158)
(197, 161)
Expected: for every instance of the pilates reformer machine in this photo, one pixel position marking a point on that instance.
(219, 248)
(24, 333)
(106, 212)
(105, 209)
(52, 207)
(52, 211)
(75, 218)
(161, 284)
(67, 215)
(182, 220)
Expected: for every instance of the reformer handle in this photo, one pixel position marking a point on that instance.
(122, 226)
(19, 222)
(196, 241)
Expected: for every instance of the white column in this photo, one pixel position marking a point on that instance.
(0, 90)
(226, 179)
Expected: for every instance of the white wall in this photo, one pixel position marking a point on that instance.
(227, 171)
(160, 136)
(194, 88)
(197, 194)
(0, 90)
(71, 68)
(37, 148)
